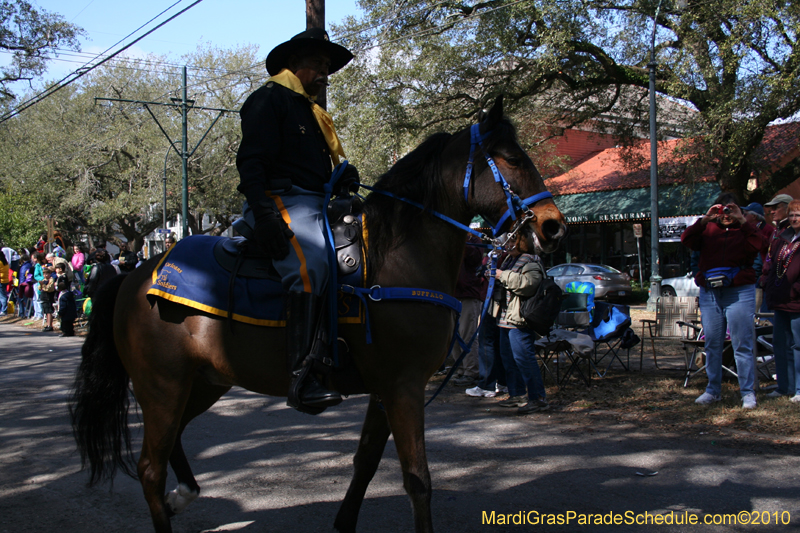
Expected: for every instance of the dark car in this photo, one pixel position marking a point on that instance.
(608, 282)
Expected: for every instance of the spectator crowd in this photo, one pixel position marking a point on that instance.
(53, 283)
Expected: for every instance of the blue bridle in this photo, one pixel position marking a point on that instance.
(513, 201)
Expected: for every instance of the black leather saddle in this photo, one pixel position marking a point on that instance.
(343, 214)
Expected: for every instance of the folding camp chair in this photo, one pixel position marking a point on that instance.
(696, 359)
(557, 348)
(765, 356)
(566, 346)
(606, 330)
(673, 314)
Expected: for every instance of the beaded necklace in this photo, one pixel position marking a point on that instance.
(784, 258)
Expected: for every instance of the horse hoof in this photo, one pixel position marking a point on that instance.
(179, 499)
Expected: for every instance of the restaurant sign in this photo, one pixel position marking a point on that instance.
(612, 217)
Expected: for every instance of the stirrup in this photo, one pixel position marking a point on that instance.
(302, 379)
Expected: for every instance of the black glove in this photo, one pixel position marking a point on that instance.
(347, 182)
(271, 233)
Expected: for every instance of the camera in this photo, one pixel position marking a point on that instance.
(716, 282)
(726, 210)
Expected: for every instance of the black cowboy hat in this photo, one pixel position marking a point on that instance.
(314, 37)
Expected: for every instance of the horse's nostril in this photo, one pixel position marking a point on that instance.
(552, 229)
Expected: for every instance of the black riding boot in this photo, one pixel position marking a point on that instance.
(305, 350)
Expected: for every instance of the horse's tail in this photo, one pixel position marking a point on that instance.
(99, 402)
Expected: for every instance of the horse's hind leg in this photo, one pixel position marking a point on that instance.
(374, 435)
(406, 412)
(203, 396)
(162, 411)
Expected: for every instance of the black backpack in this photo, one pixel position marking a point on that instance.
(541, 310)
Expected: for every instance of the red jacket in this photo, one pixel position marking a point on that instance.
(721, 246)
(768, 231)
(782, 293)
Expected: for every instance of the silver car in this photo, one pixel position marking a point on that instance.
(608, 282)
(680, 286)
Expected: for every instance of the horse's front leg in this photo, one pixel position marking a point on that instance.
(406, 412)
(374, 435)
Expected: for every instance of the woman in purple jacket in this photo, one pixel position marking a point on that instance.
(728, 246)
(781, 277)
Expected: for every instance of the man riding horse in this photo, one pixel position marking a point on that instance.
(288, 150)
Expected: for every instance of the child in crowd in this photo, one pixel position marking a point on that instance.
(47, 290)
(67, 311)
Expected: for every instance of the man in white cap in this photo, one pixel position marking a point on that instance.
(778, 208)
(288, 151)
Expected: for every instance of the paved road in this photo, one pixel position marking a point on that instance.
(264, 467)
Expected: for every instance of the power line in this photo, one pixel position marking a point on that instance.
(83, 71)
(155, 62)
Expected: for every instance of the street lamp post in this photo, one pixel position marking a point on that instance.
(164, 209)
(655, 277)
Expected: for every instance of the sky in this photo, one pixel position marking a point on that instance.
(221, 23)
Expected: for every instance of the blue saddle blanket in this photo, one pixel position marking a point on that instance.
(188, 274)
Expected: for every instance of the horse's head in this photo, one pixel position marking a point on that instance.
(505, 187)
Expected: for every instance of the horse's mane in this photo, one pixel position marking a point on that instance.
(418, 177)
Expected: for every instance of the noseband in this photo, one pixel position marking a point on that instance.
(515, 204)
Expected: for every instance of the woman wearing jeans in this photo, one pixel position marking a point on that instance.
(520, 275)
(781, 277)
(728, 245)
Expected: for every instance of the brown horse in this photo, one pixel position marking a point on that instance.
(181, 361)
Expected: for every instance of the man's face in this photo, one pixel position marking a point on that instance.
(312, 70)
(778, 212)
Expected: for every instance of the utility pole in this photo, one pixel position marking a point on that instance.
(655, 276)
(315, 18)
(184, 104)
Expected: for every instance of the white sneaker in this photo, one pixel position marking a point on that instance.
(500, 389)
(478, 392)
(795, 398)
(707, 399)
(749, 401)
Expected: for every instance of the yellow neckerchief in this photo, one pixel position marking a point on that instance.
(287, 78)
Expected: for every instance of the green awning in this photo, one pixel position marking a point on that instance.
(634, 204)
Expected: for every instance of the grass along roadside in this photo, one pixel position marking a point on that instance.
(659, 399)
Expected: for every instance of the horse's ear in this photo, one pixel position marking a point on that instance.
(490, 119)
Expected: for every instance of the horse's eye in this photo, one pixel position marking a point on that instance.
(513, 161)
